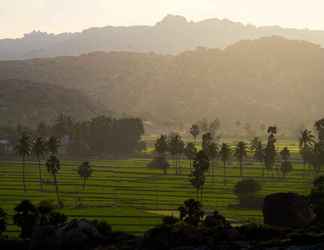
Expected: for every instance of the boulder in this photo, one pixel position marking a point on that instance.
(287, 210)
(74, 235)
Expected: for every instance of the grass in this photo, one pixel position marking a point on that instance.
(133, 198)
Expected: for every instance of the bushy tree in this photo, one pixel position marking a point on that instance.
(306, 144)
(197, 177)
(191, 212)
(53, 145)
(159, 161)
(285, 166)
(176, 149)
(246, 191)
(270, 152)
(317, 198)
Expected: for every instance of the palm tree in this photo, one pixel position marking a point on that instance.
(23, 149)
(53, 166)
(240, 154)
(84, 172)
(225, 155)
(190, 152)
(306, 142)
(39, 150)
(53, 145)
(195, 131)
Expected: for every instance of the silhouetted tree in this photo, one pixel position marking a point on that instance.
(25, 217)
(53, 145)
(225, 156)
(257, 149)
(195, 131)
(270, 150)
(190, 152)
(200, 166)
(23, 149)
(240, 154)
(53, 166)
(286, 165)
(176, 149)
(39, 150)
(161, 145)
(85, 172)
(191, 212)
(306, 143)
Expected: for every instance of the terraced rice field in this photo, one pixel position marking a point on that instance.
(133, 198)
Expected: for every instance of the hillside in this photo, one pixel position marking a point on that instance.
(172, 35)
(28, 103)
(270, 80)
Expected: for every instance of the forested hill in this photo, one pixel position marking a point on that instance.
(28, 103)
(174, 34)
(270, 80)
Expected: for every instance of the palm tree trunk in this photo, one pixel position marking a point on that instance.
(241, 169)
(40, 175)
(224, 173)
(84, 183)
(56, 190)
(23, 174)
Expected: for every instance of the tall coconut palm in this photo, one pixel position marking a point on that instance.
(39, 150)
(23, 149)
(240, 154)
(53, 145)
(85, 172)
(306, 142)
(225, 156)
(53, 166)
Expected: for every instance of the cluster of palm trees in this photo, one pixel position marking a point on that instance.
(40, 149)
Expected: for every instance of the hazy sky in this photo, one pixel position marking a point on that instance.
(22, 16)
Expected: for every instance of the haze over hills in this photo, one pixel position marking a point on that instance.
(269, 80)
(29, 103)
(174, 34)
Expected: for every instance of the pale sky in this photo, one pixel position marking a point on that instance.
(55, 16)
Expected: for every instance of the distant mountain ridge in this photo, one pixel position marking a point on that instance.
(270, 80)
(174, 34)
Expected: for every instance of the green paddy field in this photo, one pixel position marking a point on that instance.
(134, 198)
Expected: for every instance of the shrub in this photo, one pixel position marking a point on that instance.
(3, 221)
(25, 217)
(246, 191)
